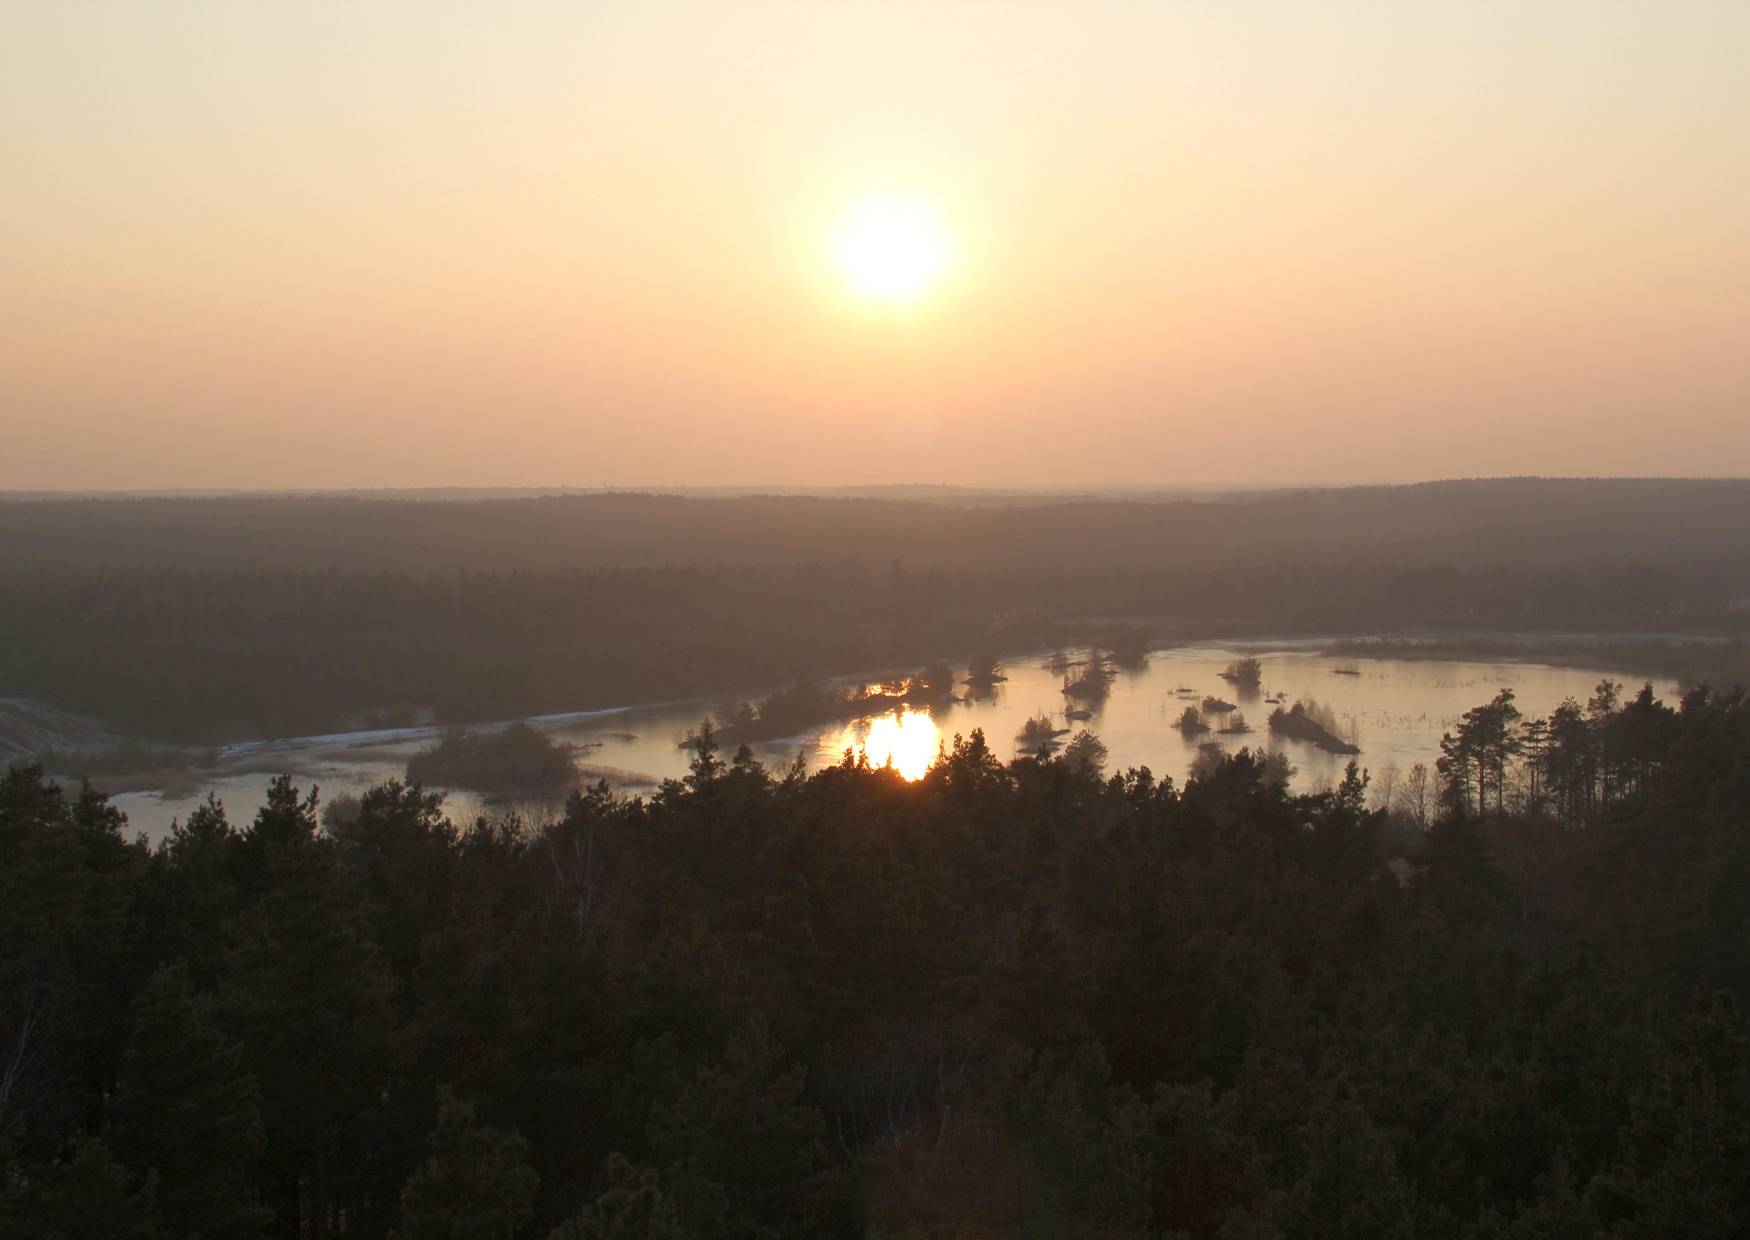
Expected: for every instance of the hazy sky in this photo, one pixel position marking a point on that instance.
(350, 244)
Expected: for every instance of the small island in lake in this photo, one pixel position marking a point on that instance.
(1094, 683)
(1310, 722)
(1245, 673)
(1128, 646)
(983, 671)
(510, 760)
(1039, 737)
(1192, 723)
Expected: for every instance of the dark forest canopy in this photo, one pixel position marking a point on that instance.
(1007, 999)
(207, 620)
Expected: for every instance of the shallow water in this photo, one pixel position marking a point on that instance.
(1395, 710)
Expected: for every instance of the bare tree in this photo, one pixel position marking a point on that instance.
(1417, 794)
(1385, 787)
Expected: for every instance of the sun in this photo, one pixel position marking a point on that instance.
(891, 250)
(907, 740)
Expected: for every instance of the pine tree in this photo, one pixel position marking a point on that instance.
(742, 1147)
(307, 994)
(1685, 1165)
(187, 1115)
(87, 1196)
(475, 1185)
(631, 1207)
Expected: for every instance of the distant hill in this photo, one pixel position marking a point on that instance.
(1509, 521)
(29, 728)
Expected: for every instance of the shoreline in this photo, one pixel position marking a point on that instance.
(1565, 650)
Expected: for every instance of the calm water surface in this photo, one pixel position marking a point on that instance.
(1396, 710)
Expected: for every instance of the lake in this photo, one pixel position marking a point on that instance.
(1394, 709)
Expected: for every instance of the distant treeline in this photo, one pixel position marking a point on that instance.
(187, 656)
(1691, 526)
(1027, 998)
(201, 620)
(1724, 663)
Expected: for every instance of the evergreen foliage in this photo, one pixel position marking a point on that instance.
(1010, 998)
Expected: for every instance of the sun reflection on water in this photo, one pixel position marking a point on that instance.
(906, 739)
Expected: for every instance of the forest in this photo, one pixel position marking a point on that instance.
(202, 621)
(1029, 998)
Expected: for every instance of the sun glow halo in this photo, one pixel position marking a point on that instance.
(891, 250)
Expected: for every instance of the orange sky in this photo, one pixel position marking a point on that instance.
(324, 244)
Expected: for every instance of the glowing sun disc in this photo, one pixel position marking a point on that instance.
(891, 250)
